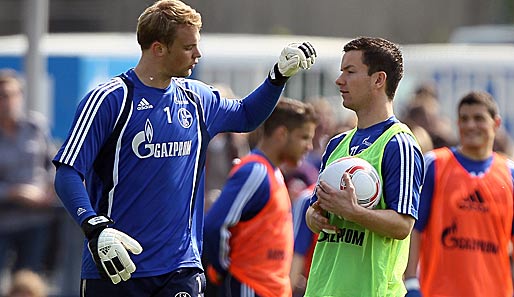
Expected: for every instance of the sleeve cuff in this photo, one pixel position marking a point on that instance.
(276, 77)
(412, 284)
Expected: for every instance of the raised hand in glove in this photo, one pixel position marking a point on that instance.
(109, 248)
(294, 56)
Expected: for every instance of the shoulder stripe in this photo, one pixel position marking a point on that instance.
(406, 178)
(85, 120)
(115, 176)
(253, 182)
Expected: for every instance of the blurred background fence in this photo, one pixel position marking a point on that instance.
(79, 61)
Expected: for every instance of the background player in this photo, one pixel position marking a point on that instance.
(465, 221)
(249, 229)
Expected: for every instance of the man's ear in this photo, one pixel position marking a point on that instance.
(158, 49)
(379, 79)
(280, 133)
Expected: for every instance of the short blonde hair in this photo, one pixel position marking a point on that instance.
(159, 22)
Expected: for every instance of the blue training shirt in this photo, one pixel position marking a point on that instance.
(303, 236)
(141, 152)
(399, 152)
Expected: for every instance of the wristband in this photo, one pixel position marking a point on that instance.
(412, 284)
(276, 77)
(93, 225)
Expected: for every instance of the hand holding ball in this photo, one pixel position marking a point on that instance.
(368, 187)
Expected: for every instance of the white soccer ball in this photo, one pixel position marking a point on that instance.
(368, 187)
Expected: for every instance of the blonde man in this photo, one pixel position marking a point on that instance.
(139, 141)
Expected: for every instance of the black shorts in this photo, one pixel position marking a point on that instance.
(185, 282)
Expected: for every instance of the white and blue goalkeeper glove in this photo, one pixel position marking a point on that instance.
(109, 248)
(294, 56)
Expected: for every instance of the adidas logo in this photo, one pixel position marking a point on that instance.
(80, 211)
(144, 104)
(474, 202)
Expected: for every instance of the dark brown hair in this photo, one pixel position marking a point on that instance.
(380, 55)
(480, 98)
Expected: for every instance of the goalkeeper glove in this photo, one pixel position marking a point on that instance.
(294, 56)
(109, 247)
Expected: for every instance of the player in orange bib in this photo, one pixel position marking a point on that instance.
(461, 239)
(249, 228)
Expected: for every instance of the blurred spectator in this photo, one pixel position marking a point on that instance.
(26, 283)
(424, 110)
(423, 138)
(26, 172)
(345, 124)
(324, 131)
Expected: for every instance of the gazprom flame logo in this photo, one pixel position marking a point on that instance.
(148, 130)
(141, 137)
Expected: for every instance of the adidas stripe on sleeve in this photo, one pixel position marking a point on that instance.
(402, 171)
(88, 113)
